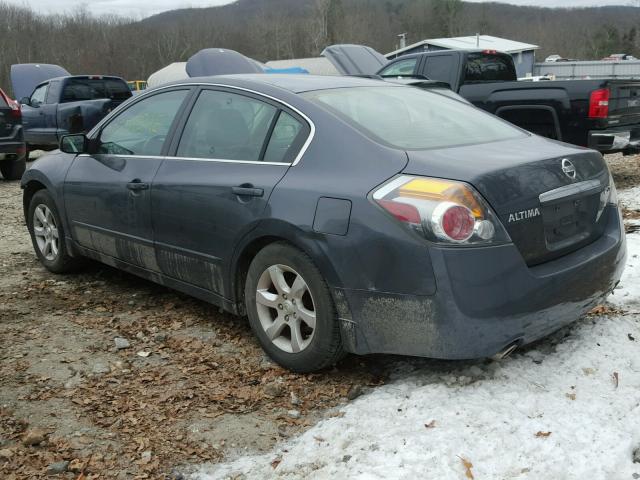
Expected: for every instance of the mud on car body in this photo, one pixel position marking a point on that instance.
(339, 214)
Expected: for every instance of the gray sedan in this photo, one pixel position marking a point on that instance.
(339, 214)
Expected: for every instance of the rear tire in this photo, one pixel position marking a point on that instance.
(13, 169)
(48, 236)
(291, 310)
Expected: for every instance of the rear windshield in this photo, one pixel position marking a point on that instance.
(77, 89)
(413, 119)
(483, 67)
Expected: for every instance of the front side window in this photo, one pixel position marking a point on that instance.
(401, 68)
(39, 95)
(142, 128)
(412, 119)
(226, 126)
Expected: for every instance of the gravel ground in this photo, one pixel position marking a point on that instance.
(190, 386)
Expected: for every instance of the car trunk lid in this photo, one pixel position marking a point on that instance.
(25, 77)
(546, 194)
(355, 59)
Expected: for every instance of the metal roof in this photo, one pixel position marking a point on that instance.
(487, 42)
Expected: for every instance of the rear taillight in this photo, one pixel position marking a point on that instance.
(13, 105)
(599, 103)
(443, 211)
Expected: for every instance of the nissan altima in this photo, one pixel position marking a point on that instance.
(338, 214)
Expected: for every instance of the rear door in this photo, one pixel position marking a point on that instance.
(108, 193)
(234, 148)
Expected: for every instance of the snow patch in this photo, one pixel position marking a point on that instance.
(581, 386)
(630, 198)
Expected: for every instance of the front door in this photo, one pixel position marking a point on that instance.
(34, 118)
(108, 193)
(234, 148)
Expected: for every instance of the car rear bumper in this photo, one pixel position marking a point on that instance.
(11, 150)
(621, 139)
(487, 299)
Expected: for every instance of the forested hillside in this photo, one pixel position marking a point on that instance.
(277, 29)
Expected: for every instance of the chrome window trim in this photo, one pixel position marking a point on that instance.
(303, 150)
(193, 159)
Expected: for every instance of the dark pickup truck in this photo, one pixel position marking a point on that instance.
(53, 106)
(600, 114)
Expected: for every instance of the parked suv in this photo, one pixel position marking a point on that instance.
(12, 148)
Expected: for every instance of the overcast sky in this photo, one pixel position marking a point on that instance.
(144, 8)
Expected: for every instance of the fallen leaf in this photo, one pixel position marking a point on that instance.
(616, 379)
(467, 467)
(275, 462)
(543, 434)
(571, 396)
(431, 424)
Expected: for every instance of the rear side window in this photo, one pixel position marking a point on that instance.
(285, 139)
(143, 127)
(3, 103)
(482, 67)
(401, 67)
(412, 119)
(77, 89)
(438, 68)
(226, 126)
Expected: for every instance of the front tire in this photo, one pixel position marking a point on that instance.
(291, 311)
(47, 234)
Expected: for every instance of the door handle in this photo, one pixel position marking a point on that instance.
(136, 185)
(247, 191)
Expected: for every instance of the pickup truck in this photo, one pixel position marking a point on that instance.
(54, 105)
(601, 114)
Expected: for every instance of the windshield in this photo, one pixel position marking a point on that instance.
(413, 119)
(91, 89)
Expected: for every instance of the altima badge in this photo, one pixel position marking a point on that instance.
(523, 215)
(568, 168)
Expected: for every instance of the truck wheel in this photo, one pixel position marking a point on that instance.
(13, 169)
(47, 234)
(291, 311)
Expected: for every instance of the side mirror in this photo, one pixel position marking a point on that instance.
(25, 101)
(76, 143)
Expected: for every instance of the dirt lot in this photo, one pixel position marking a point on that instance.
(104, 375)
(191, 386)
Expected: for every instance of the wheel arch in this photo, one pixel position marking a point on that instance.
(308, 242)
(29, 190)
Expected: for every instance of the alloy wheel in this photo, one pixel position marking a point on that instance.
(46, 232)
(286, 309)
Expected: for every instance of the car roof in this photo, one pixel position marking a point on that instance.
(295, 83)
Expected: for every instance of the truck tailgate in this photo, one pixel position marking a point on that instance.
(624, 102)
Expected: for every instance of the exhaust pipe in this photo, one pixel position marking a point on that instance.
(508, 350)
